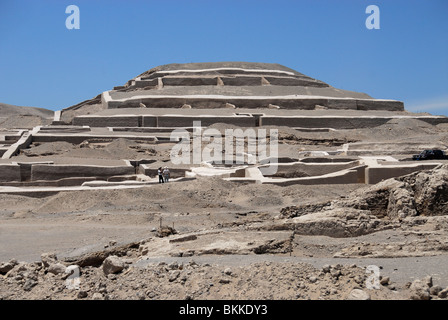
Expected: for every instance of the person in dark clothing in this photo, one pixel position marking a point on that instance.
(160, 173)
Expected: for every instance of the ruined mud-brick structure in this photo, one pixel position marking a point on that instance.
(240, 93)
(149, 107)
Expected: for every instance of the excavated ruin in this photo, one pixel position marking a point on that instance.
(80, 192)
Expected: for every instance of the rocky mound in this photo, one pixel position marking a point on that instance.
(423, 193)
(415, 204)
(119, 278)
(382, 206)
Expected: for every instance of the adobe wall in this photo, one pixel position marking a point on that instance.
(149, 121)
(384, 148)
(236, 80)
(302, 103)
(7, 142)
(108, 121)
(390, 105)
(149, 129)
(242, 81)
(434, 120)
(65, 129)
(13, 137)
(348, 176)
(327, 160)
(156, 121)
(187, 121)
(285, 81)
(211, 102)
(189, 81)
(9, 172)
(313, 169)
(377, 174)
(221, 71)
(328, 122)
(341, 104)
(77, 139)
(333, 122)
(25, 169)
(146, 83)
(66, 182)
(57, 172)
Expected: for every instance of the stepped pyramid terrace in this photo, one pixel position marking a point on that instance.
(120, 137)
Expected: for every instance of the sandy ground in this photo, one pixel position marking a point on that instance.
(76, 224)
(30, 226)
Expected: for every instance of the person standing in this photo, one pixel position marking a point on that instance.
(160, 173)
(166, 174)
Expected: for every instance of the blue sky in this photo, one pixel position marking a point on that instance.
(44, 64)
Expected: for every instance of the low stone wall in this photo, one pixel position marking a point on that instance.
(242, 81)
(214, 71)
(189, 81)
(77, 139)
(162, 121)
(108, 121)
(187, 121)
(327, 160)
(149, 121)
(64, 129)
(248, 80)
(13, 137)
(349, 176)
(387, 148)
(380, 105)
(7, 143)
(311, 169)
(66, 182)
(57, 172)
(328, 122)
(25, 169)
(150, 129)
(291, 81)
(9, 172)
(146, 83)
(434, 120)
(377, 174)
(211, 102)
(339, 122)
